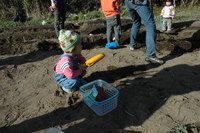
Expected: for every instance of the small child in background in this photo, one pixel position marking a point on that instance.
(167, 14)
(111, 10)
(68, 72)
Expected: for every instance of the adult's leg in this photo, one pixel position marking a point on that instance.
(136, 22)
(148, 19)
(57, 20)
(62, 16)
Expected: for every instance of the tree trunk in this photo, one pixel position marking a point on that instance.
(183, 3)
(174, 3)
(26, 7)
(38, 10)
(194, 2)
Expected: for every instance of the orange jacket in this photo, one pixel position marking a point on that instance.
(110, 7)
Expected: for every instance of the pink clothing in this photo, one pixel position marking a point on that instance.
(69, 65)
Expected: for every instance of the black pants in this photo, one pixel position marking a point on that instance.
(59, 16)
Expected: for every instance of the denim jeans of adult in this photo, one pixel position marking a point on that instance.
(143, 13)
(59, 16)
(113, 22)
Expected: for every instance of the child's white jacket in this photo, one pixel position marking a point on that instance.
(168, 11)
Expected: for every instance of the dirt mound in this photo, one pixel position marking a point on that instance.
(28, 39)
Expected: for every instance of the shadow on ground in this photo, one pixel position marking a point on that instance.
(141, 97)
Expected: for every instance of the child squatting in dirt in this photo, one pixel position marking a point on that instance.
(68, 71)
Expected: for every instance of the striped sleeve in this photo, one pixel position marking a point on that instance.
(82, 59)
(70, 73)
(67, 69)
(65, 65)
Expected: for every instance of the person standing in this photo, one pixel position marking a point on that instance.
(111, 10)
(167, 14)
(59, 9)
(139, 10)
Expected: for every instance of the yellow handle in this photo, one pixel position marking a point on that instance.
(93, 60)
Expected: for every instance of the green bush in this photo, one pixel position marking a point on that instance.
(80, 16)
(179, 129)
(93, 14)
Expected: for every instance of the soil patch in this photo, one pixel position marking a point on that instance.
(153, 99)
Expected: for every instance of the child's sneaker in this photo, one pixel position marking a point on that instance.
(168, 31)
(162, 31)
(67, 90)
(131, 48)
(154, 60)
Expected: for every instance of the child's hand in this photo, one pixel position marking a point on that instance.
(83, 73)
(172, 17)
(52, 7)
(82, 67)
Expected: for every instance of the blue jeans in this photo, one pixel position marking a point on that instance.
(138, 13)
(69, 83)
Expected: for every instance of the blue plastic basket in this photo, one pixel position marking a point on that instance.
(110, 97)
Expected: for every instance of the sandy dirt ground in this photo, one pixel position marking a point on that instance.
(153, 98)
